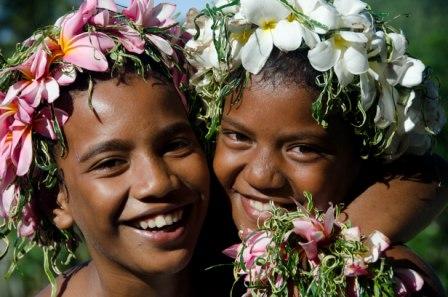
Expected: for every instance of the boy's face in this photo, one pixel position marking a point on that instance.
(271, 149)
(137, 183)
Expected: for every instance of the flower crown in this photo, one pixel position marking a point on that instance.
(365, 72)
(95, 38)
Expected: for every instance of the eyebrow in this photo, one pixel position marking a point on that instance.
(307, 134)
(121, 145)
(106, 146)
(173, 129)
(235, 124)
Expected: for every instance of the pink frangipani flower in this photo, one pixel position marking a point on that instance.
(144, 14)
(43, 122)
(85, 49)
(28, 224)
(8, 199)
(314, 231)
(37, 84)
(377, 243)
(355, 267)
(407, 282)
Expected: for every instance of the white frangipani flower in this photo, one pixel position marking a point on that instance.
(349, 7)
(345, 51)
(201, 52)
(386, 108)
(273, 29)
(319, 11)
(402, 69)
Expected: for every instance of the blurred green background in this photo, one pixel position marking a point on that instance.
(424, 22)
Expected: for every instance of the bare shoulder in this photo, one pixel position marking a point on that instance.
(66, 283)
(403, 257)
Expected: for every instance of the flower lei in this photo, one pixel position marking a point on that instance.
(97, 37)
(307, 253)
(365, 72)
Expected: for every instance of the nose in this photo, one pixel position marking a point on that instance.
(152, 178)
(262, 171)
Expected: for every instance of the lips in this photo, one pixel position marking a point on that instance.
(257, 208)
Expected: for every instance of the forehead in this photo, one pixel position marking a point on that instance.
(122, 110)
(272, 106)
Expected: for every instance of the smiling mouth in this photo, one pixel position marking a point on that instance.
(259, 209)
(165, 222)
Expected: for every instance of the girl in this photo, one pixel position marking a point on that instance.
(95, 137)
(339, 87)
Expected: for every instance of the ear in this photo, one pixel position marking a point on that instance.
(63, 218)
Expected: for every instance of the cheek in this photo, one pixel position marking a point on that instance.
(196, 173)
(95, 203)
(324, 181)
(226, 164)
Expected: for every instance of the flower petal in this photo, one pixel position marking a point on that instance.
(161, 43)
(310, 249)
(65, 75)
(414, 73)
(51, 89)
(354, 36)
(399, 45)
(368, 90)
(83, 54)
(261, 11)
(26, 153)
(355, 60)
(14, 90)
(256, 51)
(386, 106)
(287, 36)
(161, 16)
(344, 76)
(303, 228)
(349, 7)
(412, 280)
(232, 251)
(107, 4)
(132, 40)
(323, 56)
(327, 16)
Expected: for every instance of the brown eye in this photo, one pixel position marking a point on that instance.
(235, 136)
(305, 153)
(179, 146)
(109, 164)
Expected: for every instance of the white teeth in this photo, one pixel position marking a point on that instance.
(169, 219)
(161, 220)
(151, 224)
(143, 224)
(259, 206)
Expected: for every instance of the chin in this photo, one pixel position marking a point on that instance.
(167, 264)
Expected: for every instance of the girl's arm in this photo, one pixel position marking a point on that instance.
(402, 198)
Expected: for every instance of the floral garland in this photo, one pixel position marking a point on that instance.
(97, 37)
(365, 72)
(307, 253)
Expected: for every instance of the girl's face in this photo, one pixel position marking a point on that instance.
(271, 149)
(136, 180)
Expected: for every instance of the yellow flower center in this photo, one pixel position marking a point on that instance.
(10, 109)
(339, 42)
(291, 17)
(269, 25)
(242, 36)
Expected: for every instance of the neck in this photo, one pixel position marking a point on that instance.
(110, 282)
